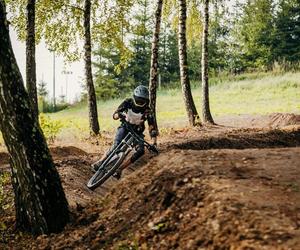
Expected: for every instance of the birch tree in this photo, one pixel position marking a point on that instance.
(30, 56)
(206, 115)
(184, 77)
(40, 203)
(154, 60)
(92, 103)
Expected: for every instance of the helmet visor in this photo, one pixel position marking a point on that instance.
(140, 101)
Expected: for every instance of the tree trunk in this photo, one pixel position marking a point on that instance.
(206, 115)
(30, 57)
(154, 61)
(91, 95)
(41, 205)
(184, 77)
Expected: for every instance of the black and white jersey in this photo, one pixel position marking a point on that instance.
(136, 115)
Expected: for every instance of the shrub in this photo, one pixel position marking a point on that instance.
(50, 127)
(4, 180)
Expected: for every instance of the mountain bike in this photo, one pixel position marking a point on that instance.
(117, 155)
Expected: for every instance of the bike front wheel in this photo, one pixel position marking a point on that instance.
(106, 171)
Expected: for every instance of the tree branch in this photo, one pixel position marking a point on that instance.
(74, 7)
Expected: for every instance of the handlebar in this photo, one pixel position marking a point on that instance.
(149, 146)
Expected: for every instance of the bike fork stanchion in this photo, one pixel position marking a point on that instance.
(115, 158)
(110, 155)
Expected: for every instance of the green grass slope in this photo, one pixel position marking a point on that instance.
(244, 94)
(268, 94)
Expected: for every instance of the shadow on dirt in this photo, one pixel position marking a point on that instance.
(271, 139)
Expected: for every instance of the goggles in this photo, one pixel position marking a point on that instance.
(140, 101)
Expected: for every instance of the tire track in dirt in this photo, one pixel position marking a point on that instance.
(189, 199)
(243, 139)
(192, 195)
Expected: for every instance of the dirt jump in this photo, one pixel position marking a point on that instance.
(229, 186)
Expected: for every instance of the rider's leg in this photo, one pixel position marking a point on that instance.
(140, 151)
(120, 135)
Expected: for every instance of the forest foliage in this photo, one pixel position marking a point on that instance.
(245, 36)
(249, 36)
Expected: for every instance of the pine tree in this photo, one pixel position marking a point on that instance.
(287, 32)
(141, 43)
(168, 56)
(42, 94)
(256, 29)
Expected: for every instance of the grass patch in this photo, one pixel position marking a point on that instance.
(259, 94)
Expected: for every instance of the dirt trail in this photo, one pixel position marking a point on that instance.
(210, 188)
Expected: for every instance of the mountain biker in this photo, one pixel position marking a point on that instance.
(135, 111)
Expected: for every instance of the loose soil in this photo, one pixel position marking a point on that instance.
(217, 187)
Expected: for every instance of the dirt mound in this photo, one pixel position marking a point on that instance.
(59, 152)
(274, 120)
(4, 158)
(241, 139)
(186, 199)
(73, 165)
(74, 175)
(282, 120)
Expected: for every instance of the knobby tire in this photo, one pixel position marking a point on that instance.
(100, 176)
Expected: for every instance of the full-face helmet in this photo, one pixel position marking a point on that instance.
(141, 95)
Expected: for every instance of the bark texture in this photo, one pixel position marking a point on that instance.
(30, 56)
(206, 115)
(41, 205)
(154, 61)
(91, 95)
(184, 77)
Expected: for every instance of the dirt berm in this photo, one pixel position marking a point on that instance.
(214, 188)
(199, 199)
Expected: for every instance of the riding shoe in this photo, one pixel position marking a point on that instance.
(118, 174)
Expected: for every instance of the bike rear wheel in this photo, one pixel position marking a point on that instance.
(106, 171)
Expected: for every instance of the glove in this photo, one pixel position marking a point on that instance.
(122, 116)
(118, 115)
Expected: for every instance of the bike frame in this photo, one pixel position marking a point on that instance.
(129, 142)
(118, 153)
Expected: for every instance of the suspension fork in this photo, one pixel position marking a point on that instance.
(122, 146)
(112, 153)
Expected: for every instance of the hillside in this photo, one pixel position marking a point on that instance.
(217, 83)
(252, 94)
(214, 188)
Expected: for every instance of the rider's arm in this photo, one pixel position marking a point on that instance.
(116, 116)
(122, 107)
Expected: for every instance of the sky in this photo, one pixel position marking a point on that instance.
(68, 85)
